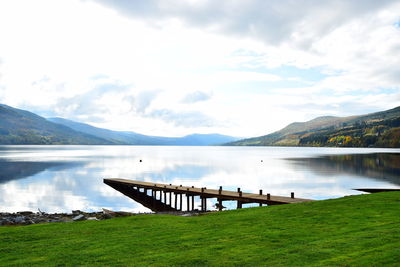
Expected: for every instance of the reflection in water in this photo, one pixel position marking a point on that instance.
(12, 170)
(380, 166)
(63, 178)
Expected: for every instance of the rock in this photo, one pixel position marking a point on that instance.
(19, 219)
(92, 219)
(80, 217)
(76, 212)
(110, 212)
(106, 216)
(25, 213)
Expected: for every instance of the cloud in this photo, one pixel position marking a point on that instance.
(141, 101)
(197, 96)
(259, 58)
(275, 22)
(92, 106)
(183, 118)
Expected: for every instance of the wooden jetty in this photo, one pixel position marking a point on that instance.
(167, 197)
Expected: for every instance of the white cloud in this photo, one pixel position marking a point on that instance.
(196, 96)
(138, 71)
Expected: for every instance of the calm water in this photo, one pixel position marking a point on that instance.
(65, 178)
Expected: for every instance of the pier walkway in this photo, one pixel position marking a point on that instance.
(167, 197)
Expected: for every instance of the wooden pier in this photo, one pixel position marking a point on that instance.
(167, 197)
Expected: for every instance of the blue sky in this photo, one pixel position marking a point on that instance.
(242, 68)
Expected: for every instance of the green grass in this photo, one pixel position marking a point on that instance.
(352, 231)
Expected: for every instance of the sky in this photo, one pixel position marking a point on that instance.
(170, 68)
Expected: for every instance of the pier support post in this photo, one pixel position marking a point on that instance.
(180, 202)
(203, 204)
(176, 201)
(170, 198)
(192, 202)
(292, 195)
(187, 202)
(239, 204)
(219, 204)
(153, 194)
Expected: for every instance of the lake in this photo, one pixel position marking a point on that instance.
(65, 178)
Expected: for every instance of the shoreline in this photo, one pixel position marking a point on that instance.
(28, 217)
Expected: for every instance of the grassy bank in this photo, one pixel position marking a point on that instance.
(359, 230)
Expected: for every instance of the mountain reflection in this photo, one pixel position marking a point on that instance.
(380, 166)
(12, 170)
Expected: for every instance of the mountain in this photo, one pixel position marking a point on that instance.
(116, 137)
(132, 138)
(23, 127)
(19, 126)
(380, 129)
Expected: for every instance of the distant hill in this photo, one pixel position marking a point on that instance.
(23, 127)
(116, 137)
(380, 129)
(132, 138)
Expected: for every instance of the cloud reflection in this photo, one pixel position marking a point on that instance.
(77, 181)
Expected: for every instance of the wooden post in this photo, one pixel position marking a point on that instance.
(187, 202)
(192, 202)
(180, 202)
(205, 204)
(219, 204)
(239, 204)
(202, 189)
(170, 198)
(220, 190)
(202, 203)
(268, 196)
(165, 197)
(154, 197)
(260, 192)
(292, 195)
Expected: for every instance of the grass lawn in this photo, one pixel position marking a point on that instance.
(359, 230)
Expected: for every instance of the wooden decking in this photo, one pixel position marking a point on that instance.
(138, 191)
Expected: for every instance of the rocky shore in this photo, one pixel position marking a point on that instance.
(29, 217)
